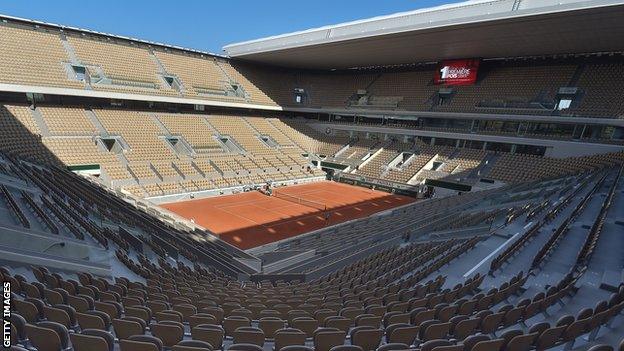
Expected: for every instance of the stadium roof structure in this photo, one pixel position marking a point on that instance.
(472, 29)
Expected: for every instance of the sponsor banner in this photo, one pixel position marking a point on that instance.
(457, 72)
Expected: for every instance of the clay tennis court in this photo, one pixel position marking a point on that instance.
(252, 219)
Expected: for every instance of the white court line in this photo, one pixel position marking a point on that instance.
(494, 252)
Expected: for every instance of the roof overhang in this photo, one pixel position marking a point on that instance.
(479, 29)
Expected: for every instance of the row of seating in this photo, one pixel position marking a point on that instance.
(589, 245)
(563, 228)
(150, 160)
(505, 87)
(541, 336)
(458, 164)
(512, 86)
(70, 198)
(45, 218)
(109, 67)
(534, 229)
(94, 287)
(375, 293)
(101, 316)
(533, 130)
(351, 236)
(81, 302)
(14, 207)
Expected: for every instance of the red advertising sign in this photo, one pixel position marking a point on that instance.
(457, 72)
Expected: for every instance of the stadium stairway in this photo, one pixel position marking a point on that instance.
(272, 123)
(71, 52)
(248, 124)
(38, 117)
(488, 163)
(96, 122)
(344, 150)
(160, 124)
(213, 130)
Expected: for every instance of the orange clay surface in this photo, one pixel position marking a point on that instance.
(252, 219)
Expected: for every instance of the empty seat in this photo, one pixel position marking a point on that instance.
(210, 333)
(186, 310)
(48, 336)
(306, 324)
(269, 325)
(27, 310)
(402, 333)
(18, 325)
(463, 328)
(192, 345)
(288, 337)
(435, 330)
(249, 335)
(346, 348)
(295, 348)
(434, 344)
(57, 315)
(127, 327)
(522, 342)
(141, 312)
(141, 343)
(230, 324)
(326, 338)
(368, 320)
(489, 345)
(169, 315)
(201, 318)
(366, 337)
(245, 347)
(601, 347)
(472, 340)
(93, 320)
(92, 339)
(169, 332)
(550, 337)
(392, 347)
(217, 312)
(337, 322)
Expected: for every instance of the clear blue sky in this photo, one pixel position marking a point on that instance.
(204, 24)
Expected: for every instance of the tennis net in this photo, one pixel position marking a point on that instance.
(301, 201)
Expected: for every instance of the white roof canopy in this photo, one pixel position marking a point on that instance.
(485, 29)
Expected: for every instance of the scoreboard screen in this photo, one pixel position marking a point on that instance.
(457, 72)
